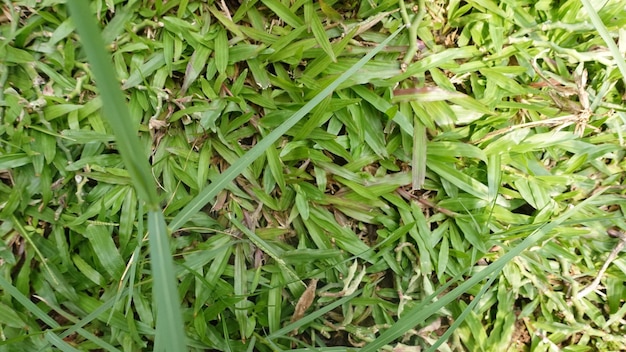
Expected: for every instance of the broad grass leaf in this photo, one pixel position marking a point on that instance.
(445, 149)
(221, 51)
(437, 60)
(283, 12)
(532, 192)
(274, 303)
(302, 203)
(127, 218)
(14, 160)
(138, 76)
(318, 117)
(196, 64)
(170, 326)
(442, 260)
(469, 231)
(226, 22)
(8, 317)
(459, 179)
(322, 63)
(345, 238)
(87, 270)
(240, 290)
(116, 25)
(420, 150)
(494, 176)
(259, 72)
(385, 107)
(279, 47)
(101, 240)
(15, 55)
(58, 110)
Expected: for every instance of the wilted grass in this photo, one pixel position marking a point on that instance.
(459, 192)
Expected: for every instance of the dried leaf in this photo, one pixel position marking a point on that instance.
(305, 301)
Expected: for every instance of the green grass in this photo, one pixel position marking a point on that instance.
(177, 178)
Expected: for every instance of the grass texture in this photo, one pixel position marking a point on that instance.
(302, 175)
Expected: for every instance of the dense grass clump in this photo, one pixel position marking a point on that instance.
(312, 175)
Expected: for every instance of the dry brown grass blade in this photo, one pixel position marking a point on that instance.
(304, 302)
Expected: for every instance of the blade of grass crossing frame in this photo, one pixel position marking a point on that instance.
(417, 315)
(113, 103)
(459, 320)
(169, 320)
(27, 303)
(221, 51)
(207, 194)
(170, 333)
(318, 30)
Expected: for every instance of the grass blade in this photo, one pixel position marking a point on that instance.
(58, 342)
(27, 303)
(169, 322)
(170, 333)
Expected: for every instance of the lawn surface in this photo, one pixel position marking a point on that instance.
(459, 192)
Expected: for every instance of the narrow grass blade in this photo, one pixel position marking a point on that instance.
(169, 321)
(312, 316)
(169, 325)
(58, 342)
(25, 234)
(238, 167)
(318, 31)
(113, 103)
(27, 303)
(606, 36)
(459, 320)
(91, 316)
(418, 174)
(265, 247)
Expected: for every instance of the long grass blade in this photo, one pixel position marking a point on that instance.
(169, 322)
(58, 342)
(238, 167)
(419, 314)
(113, 103)
(27, 303)
(170, 333)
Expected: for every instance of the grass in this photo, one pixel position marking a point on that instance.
(314, 179)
